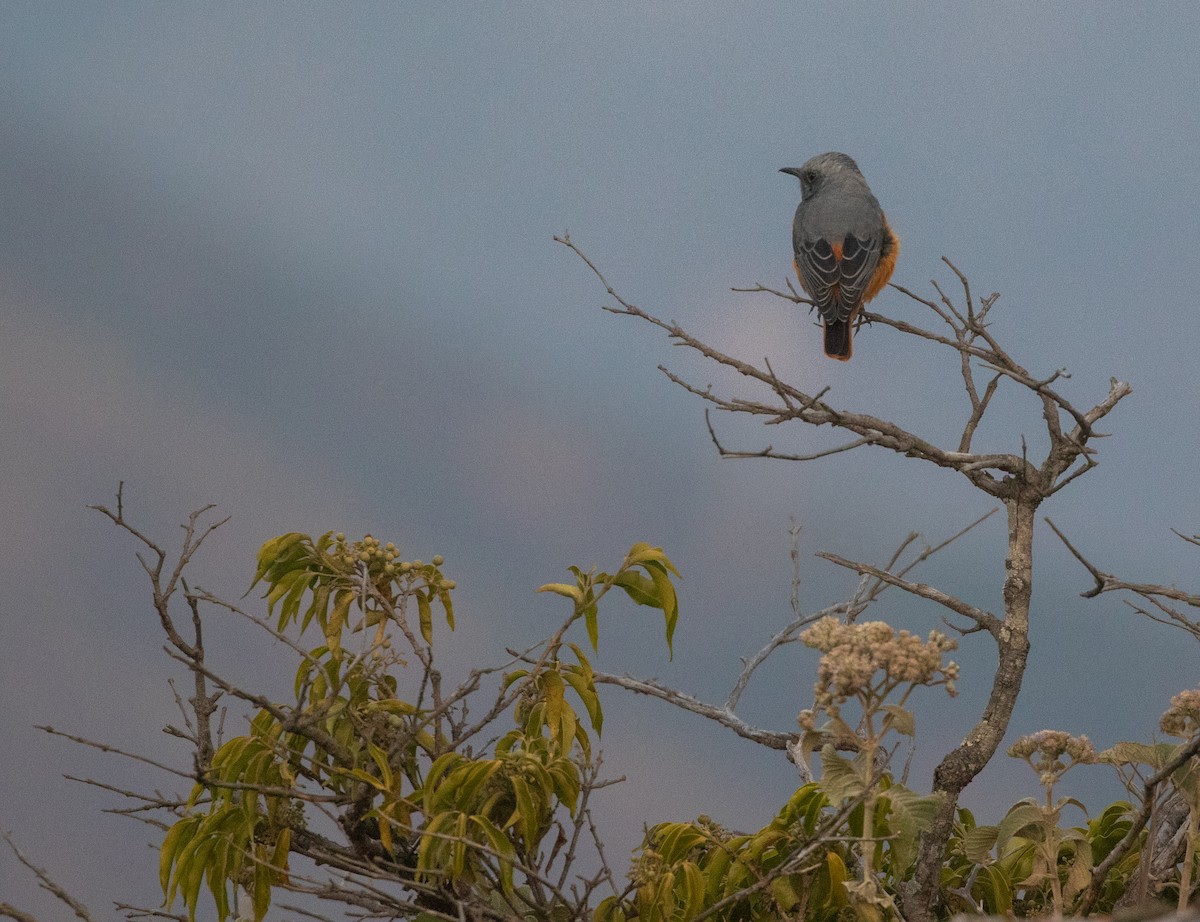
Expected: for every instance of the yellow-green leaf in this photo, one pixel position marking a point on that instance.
(564, 589)
(426, 615)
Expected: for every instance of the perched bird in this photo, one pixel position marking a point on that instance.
(845, 250)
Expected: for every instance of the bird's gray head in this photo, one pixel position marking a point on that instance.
(817, 171)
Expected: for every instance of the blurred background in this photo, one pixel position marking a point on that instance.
(296, 260)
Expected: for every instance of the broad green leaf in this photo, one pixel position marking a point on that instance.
(1019, 818)
(899, 719)
(1080, 873)
(1154, 755)
(911, 814)
(566, 783)
(840, 778)
(380, 758)
(608, 910)
(977, 843)
(282, 587)
(716, 870)
(993, 888)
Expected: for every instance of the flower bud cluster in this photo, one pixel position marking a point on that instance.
(856, 653)
(1044, 751)
(1182, 719)
(383, 560)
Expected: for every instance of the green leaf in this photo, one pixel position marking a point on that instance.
(899, 719)
(285, 584)
(262, 883)
(993, 888)
(177, 838)
(977, 843)
(591, 620)
(841, 779)
(526, 812)
(380, 758)
(499, 843)
(585, 688)
(1019, 818)
(574, 593)
(318, 609)
(1155, 755)
(838, 875)
(565, 777)
(447, 606)
(639, 588)
(691, 889)
(337, 619)
(426, 616)
(911, 814)
(674, 841)
(670, 605)
(783, 890)
(552, 693)
(642, 553)
(271, 552)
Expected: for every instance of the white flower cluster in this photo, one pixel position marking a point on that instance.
(1182, 719)
(871, 659)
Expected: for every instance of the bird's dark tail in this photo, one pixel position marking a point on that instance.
(839, 339)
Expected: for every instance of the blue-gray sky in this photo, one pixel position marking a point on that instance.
(295, 260)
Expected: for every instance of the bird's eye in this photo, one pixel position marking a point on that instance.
(809, 177)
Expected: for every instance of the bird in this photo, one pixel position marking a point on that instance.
(844, 247)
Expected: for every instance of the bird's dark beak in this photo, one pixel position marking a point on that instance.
(793, 170)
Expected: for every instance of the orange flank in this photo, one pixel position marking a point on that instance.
(888, 252)
(837, 251)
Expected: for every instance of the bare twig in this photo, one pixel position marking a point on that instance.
(986, 620)
(687, 702)
(47, 883)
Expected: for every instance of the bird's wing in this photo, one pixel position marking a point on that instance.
(836, 274)
(860, 256)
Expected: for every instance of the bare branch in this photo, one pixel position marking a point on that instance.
(48, 884)
(986, 620)
(770, 452)
(1106, 582)
(105, 747)
(654, 689)
(11, 912)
